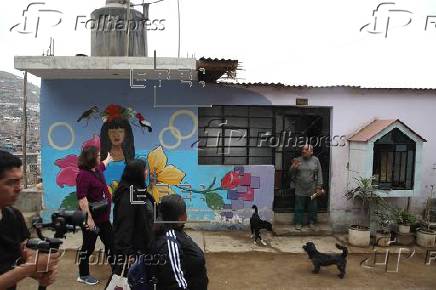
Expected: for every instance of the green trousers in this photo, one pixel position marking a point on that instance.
(301, 202)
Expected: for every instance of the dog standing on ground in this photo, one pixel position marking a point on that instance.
(256, 224)
(320, 259)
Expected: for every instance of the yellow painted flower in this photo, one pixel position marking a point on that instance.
(162, 175)
(113, 187)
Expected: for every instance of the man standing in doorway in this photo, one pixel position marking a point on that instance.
(306, 174)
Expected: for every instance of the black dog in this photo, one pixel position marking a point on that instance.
(320, 259)
(256, 224)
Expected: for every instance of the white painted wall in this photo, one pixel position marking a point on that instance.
(354, 108)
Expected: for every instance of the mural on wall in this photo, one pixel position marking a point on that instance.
(223, 194)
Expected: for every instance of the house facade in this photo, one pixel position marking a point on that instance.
(225, 147)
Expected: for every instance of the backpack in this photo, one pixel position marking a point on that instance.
(142, 274)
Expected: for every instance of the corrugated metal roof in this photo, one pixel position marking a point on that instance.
(300, 86)
(371, 130)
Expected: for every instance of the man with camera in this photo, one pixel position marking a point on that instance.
(16, 261)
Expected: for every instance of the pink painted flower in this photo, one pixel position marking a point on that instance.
(69, 170)
(247, 196)
(69, 164)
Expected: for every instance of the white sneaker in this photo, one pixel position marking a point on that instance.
(298, 227)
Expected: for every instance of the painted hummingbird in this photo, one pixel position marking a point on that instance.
(143, 123)
(88, 114)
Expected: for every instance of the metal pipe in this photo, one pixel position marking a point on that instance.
(24, 123)
(145, 9)
(178, 11)
(128, 28)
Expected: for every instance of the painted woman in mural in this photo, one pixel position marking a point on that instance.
(116, 138)
(116, 134)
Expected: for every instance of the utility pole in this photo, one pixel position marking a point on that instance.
(24, 123)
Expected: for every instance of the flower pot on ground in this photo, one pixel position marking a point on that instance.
(382, 238)
(425, 237)
(364, 192)
(404, 220)
(404, 229)
(359, 236)
(384, 217)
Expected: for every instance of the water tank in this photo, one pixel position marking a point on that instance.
(109, 30)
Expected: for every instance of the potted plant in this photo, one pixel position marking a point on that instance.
(425, 236)
(364, 192)
(404, 220)
(384, 220)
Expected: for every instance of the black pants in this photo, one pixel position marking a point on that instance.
(88, 246)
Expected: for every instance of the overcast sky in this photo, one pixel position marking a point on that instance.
(314, 42)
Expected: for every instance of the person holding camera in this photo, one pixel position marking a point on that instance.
(16, 261)
(94, 200)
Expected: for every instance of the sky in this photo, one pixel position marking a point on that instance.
(310, 42)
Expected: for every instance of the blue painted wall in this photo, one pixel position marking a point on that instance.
(62, 137)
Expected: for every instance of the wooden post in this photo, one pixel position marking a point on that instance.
(24, 124)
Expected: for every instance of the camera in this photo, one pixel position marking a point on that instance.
(62, 221)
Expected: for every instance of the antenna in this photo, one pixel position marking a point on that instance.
(178, 12)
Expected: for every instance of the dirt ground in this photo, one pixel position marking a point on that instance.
(252, 271)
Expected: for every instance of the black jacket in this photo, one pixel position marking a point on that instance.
(185, 266)
(132, 224)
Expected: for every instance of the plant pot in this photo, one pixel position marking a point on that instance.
(359, 236)
(404, 229)
(382, 238)
(425, 238)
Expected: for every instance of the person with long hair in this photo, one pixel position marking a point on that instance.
(133, 221)
(117, 139)
(92, 189)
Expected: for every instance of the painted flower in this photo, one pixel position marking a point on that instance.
(162, 174)
(69, 164)
(113, 112)
(230, 180)
(113, 187)
(69, 170)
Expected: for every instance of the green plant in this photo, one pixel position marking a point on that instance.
(426, 221)
(384, 219)
(403, 217)
(366, 192)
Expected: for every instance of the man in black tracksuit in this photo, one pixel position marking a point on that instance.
(185, 265)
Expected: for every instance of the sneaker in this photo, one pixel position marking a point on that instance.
(88, 280)
(298, 227)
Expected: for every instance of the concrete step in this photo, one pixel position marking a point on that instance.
(290, 231)
(287, 218)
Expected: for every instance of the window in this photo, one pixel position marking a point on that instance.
(394, 161)
(230, 135)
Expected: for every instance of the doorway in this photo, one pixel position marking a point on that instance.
(297, 126)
